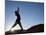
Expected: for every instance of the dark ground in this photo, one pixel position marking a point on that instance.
(34, 29)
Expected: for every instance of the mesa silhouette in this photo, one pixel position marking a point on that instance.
(33, 29)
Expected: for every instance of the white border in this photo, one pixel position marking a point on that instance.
(2, 16)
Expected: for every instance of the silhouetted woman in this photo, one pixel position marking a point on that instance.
(18, 19)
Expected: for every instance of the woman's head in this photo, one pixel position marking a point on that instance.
(16, 13)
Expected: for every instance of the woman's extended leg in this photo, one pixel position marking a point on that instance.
(14, 25)
(20, 25)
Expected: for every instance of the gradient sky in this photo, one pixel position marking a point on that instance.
(31, 13)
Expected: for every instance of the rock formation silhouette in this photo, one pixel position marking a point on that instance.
(34, 29)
